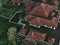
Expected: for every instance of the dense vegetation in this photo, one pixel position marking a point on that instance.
(3, 33)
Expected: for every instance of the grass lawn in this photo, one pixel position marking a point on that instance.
(4, 2)
(10, 12)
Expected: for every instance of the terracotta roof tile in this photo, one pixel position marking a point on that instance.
(44, 1)
(36, 34)
(23, 31)
(29, 17)
(42, 10)
(16, 1)
(38, 21)
(35, 21)
(45, 21)
(37, 4)
(29, 6)
(54, 21)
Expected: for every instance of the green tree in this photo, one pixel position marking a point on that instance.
(12, 36)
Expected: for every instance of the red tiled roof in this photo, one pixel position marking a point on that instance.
(42, 10)
(38, 21)
(23, 31)
(45, 22)
(29, 17)
(36, 34)
(54, 21)
(35, 21)
(16, 1)
(44, 1)
(29, 6)
(37, 4)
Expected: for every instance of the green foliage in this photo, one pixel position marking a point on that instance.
(10, 12)
(12, 36)
(19, 42)
(1, 10)
(59, 6)
(0, 3)
(4, 2)
(3, 42)
(3, 32)
(59, 0)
